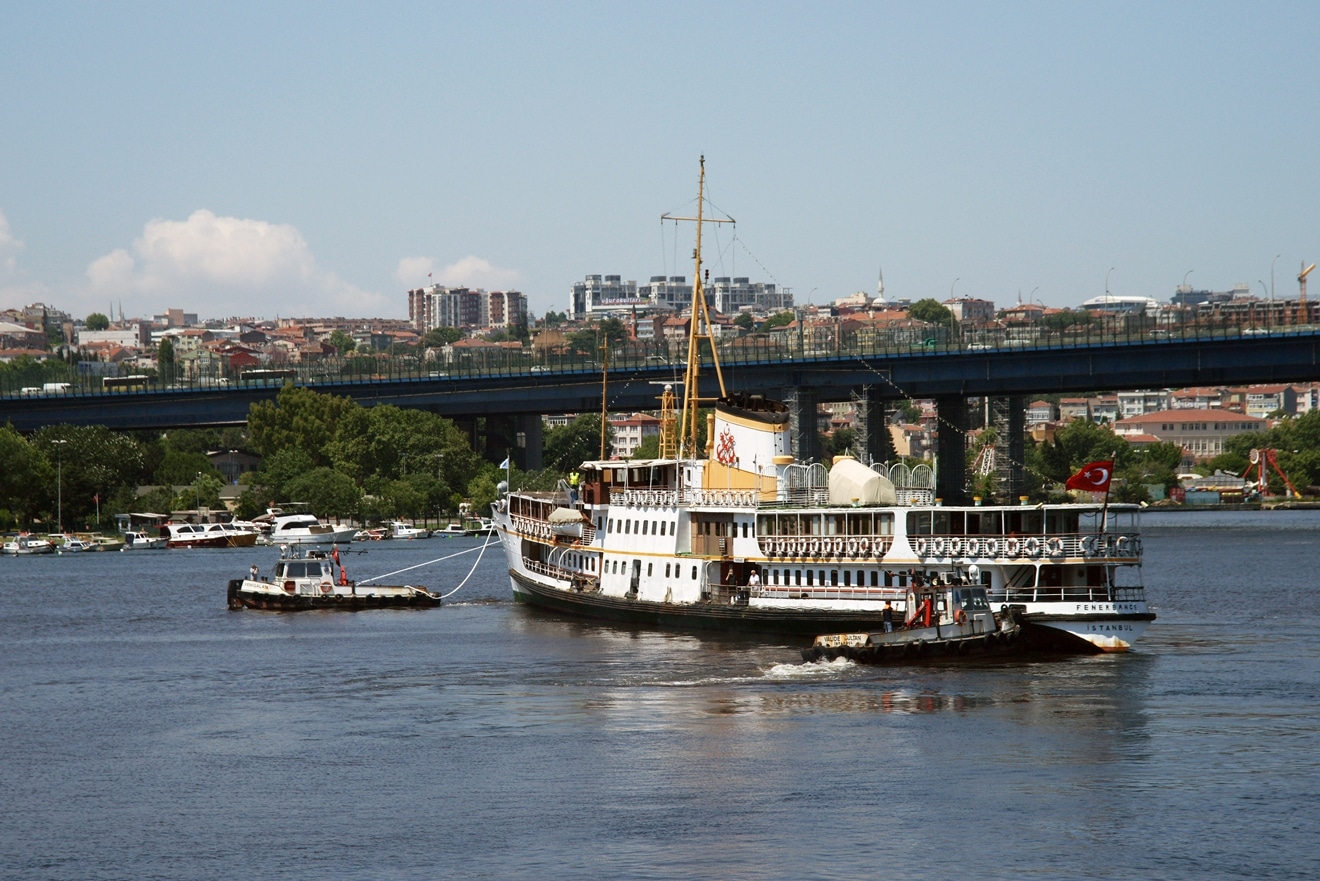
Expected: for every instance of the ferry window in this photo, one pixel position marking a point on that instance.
(861, 578)
(847, 578)
(798, 577)
(886, 524)
(745, 530)
(648, 570)
(646, 524)
(811, 580)
(694, 573)
(666, 570)
(875, 578)
(889, 578)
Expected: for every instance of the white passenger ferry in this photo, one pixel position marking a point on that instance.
(739, 536)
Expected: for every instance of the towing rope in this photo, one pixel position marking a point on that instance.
(482, 551)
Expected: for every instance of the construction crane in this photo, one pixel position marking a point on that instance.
(1302, 311)
(1259, 459)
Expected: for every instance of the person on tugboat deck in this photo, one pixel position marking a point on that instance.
(887, 616)
(254, 573)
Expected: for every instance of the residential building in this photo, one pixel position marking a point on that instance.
(1201, 434)
(1262, 400)
(630, 432)
(1135, 403)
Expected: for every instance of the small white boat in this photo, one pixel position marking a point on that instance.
(71, 544)
(24, 545)
(399, 529)
(140, 541)
(452, 529)
(302, 529)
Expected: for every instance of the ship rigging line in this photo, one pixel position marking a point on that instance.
(482, 553)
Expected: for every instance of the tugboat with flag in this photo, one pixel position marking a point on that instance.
(303, 580)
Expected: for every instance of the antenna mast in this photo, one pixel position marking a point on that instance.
(699, 329)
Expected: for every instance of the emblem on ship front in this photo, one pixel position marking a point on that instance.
(724, 450)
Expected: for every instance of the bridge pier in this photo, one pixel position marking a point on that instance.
(951, 457)
(1010, 422)
(874, 441)
(530, 442)
(802, 405)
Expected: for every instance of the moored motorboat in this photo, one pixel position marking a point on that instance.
(194, 535)
(141, 541)
(451, 529)
(945, 620)
(302, 581)
(24, 545)
(304, 528)
(70, 544)
(401, 530)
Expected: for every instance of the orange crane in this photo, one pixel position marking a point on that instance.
(1259, 459)
(1302, 311)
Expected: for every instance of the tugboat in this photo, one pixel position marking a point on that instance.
(945, 620)
(313, 579)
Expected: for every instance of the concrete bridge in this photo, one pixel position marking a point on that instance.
(503, 404)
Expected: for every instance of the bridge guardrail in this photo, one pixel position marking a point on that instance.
(32, 379)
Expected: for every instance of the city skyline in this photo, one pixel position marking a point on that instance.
(270, 162)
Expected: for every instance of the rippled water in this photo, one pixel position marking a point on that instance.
(151, 733)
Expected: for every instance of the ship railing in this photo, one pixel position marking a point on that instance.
(649, 498)
(844, 547)
(577, 578)
(721, 498)
(1077, 593)
(1028, 547)
(830, 592)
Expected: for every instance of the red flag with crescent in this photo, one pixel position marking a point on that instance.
(1094, 477)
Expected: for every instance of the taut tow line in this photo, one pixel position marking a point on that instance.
(482, 551)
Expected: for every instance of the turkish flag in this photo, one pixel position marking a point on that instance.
(1093, 477)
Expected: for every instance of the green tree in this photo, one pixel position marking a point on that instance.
(97, 321)
(745, 321)
(181, 468)
(931, 311)
(441, 336)
(329, 492)
(569, 445)
(779, 319)
(91, 463)
(165, 362)
(298, 418)
(23, 478)
(342, 342)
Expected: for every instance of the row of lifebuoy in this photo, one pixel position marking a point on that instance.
(815, 547)
(955, 546)
(1122, 546)
(649, 499)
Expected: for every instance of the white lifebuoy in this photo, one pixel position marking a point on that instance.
(1032, 547)
(1012, 547)
(1054, 547)
(921, 547)
(1088, 546)
(813, 547)
(958, 547)
(1123, 546)
(990, 547)
(852, 547)
(838, 547)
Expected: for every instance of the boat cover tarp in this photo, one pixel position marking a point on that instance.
(565, 515)
(851, 481)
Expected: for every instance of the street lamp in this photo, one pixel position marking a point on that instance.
(59, 482)
(1272, 262)
(198, 487)
(1189, 272)
(1111, 269)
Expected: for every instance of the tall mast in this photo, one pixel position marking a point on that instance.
(699, 329)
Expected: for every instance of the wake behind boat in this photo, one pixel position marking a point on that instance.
(739, 536)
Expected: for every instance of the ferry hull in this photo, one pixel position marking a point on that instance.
(1086, 635)
(690, 616)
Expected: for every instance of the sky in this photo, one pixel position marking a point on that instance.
(274, 159)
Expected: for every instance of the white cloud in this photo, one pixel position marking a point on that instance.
(223, 266)
(9, 246)
(471, 271)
